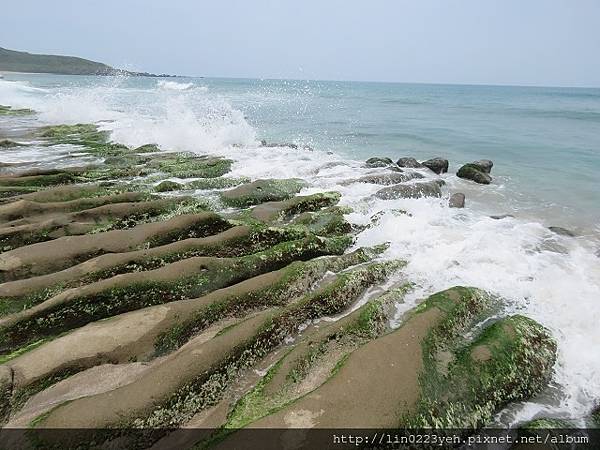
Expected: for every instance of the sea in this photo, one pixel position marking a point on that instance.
(544, 142)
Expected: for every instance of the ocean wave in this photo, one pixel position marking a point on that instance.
(173, 85)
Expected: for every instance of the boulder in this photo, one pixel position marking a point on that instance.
(415, 190)
(485, 165)
(474, 173)
(457, 200)
(437, 165)
(410, 163)
(379, 162)
(562, 231)
(501, 216)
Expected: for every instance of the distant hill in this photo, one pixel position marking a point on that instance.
(14, 61)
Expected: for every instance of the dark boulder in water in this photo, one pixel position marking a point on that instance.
(501, 216)
(411, 163)
(484, 164)
(457, 200)
(474, 173)
(415, 190)
(437, 165)
(562, 231)
(379, 162)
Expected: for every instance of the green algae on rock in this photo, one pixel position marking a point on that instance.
(474, 173)
(261, 191)
(511, 360)
(6, 143)
(10, 111)
(279, 211)
(188, 278)
(427, 376)
(317, 356)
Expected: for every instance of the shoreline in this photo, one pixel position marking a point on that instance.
(234, 269)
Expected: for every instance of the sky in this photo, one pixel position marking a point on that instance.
(520, 42)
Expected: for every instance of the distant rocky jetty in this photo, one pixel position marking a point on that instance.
(132, 304)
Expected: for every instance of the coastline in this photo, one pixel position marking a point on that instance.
(250, 264)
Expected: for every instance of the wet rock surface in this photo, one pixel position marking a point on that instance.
(457, 200)
(436, 165)
(409, 163)
(125, 304)
(474, 173)
(413, 190)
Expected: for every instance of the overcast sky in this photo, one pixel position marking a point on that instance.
(539, 42)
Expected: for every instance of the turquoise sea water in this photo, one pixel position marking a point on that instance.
(545, 144)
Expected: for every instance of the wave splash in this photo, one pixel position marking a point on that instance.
(176, 116)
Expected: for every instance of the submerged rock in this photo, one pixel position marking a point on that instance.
(293, 146)
(409, 163)
(10, 111)
(562, 231)
(457, 200)
(501, 216)
(474, 173)
(379, 162)
(415, 190)
(485, 165)
(437, 165)
(387, 178)
(5, 143)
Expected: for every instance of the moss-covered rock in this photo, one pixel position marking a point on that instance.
(189, 278)
(6, 388)
(511, 360)
(547, 423)
(47, 257)
(326, 222)
(261, 191)
(167, 186)
(285, 209)
(595, 416)
(233, 242)
(79, 134)
(147, 148)
(379, 162)
(314, 360)
(190, 388)
(413, 190)
(276, 289)
(216, 183)
(50, 179)
(426, 372)
(186, 165)
(10, 111)
(474, 173)
(6, 143)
